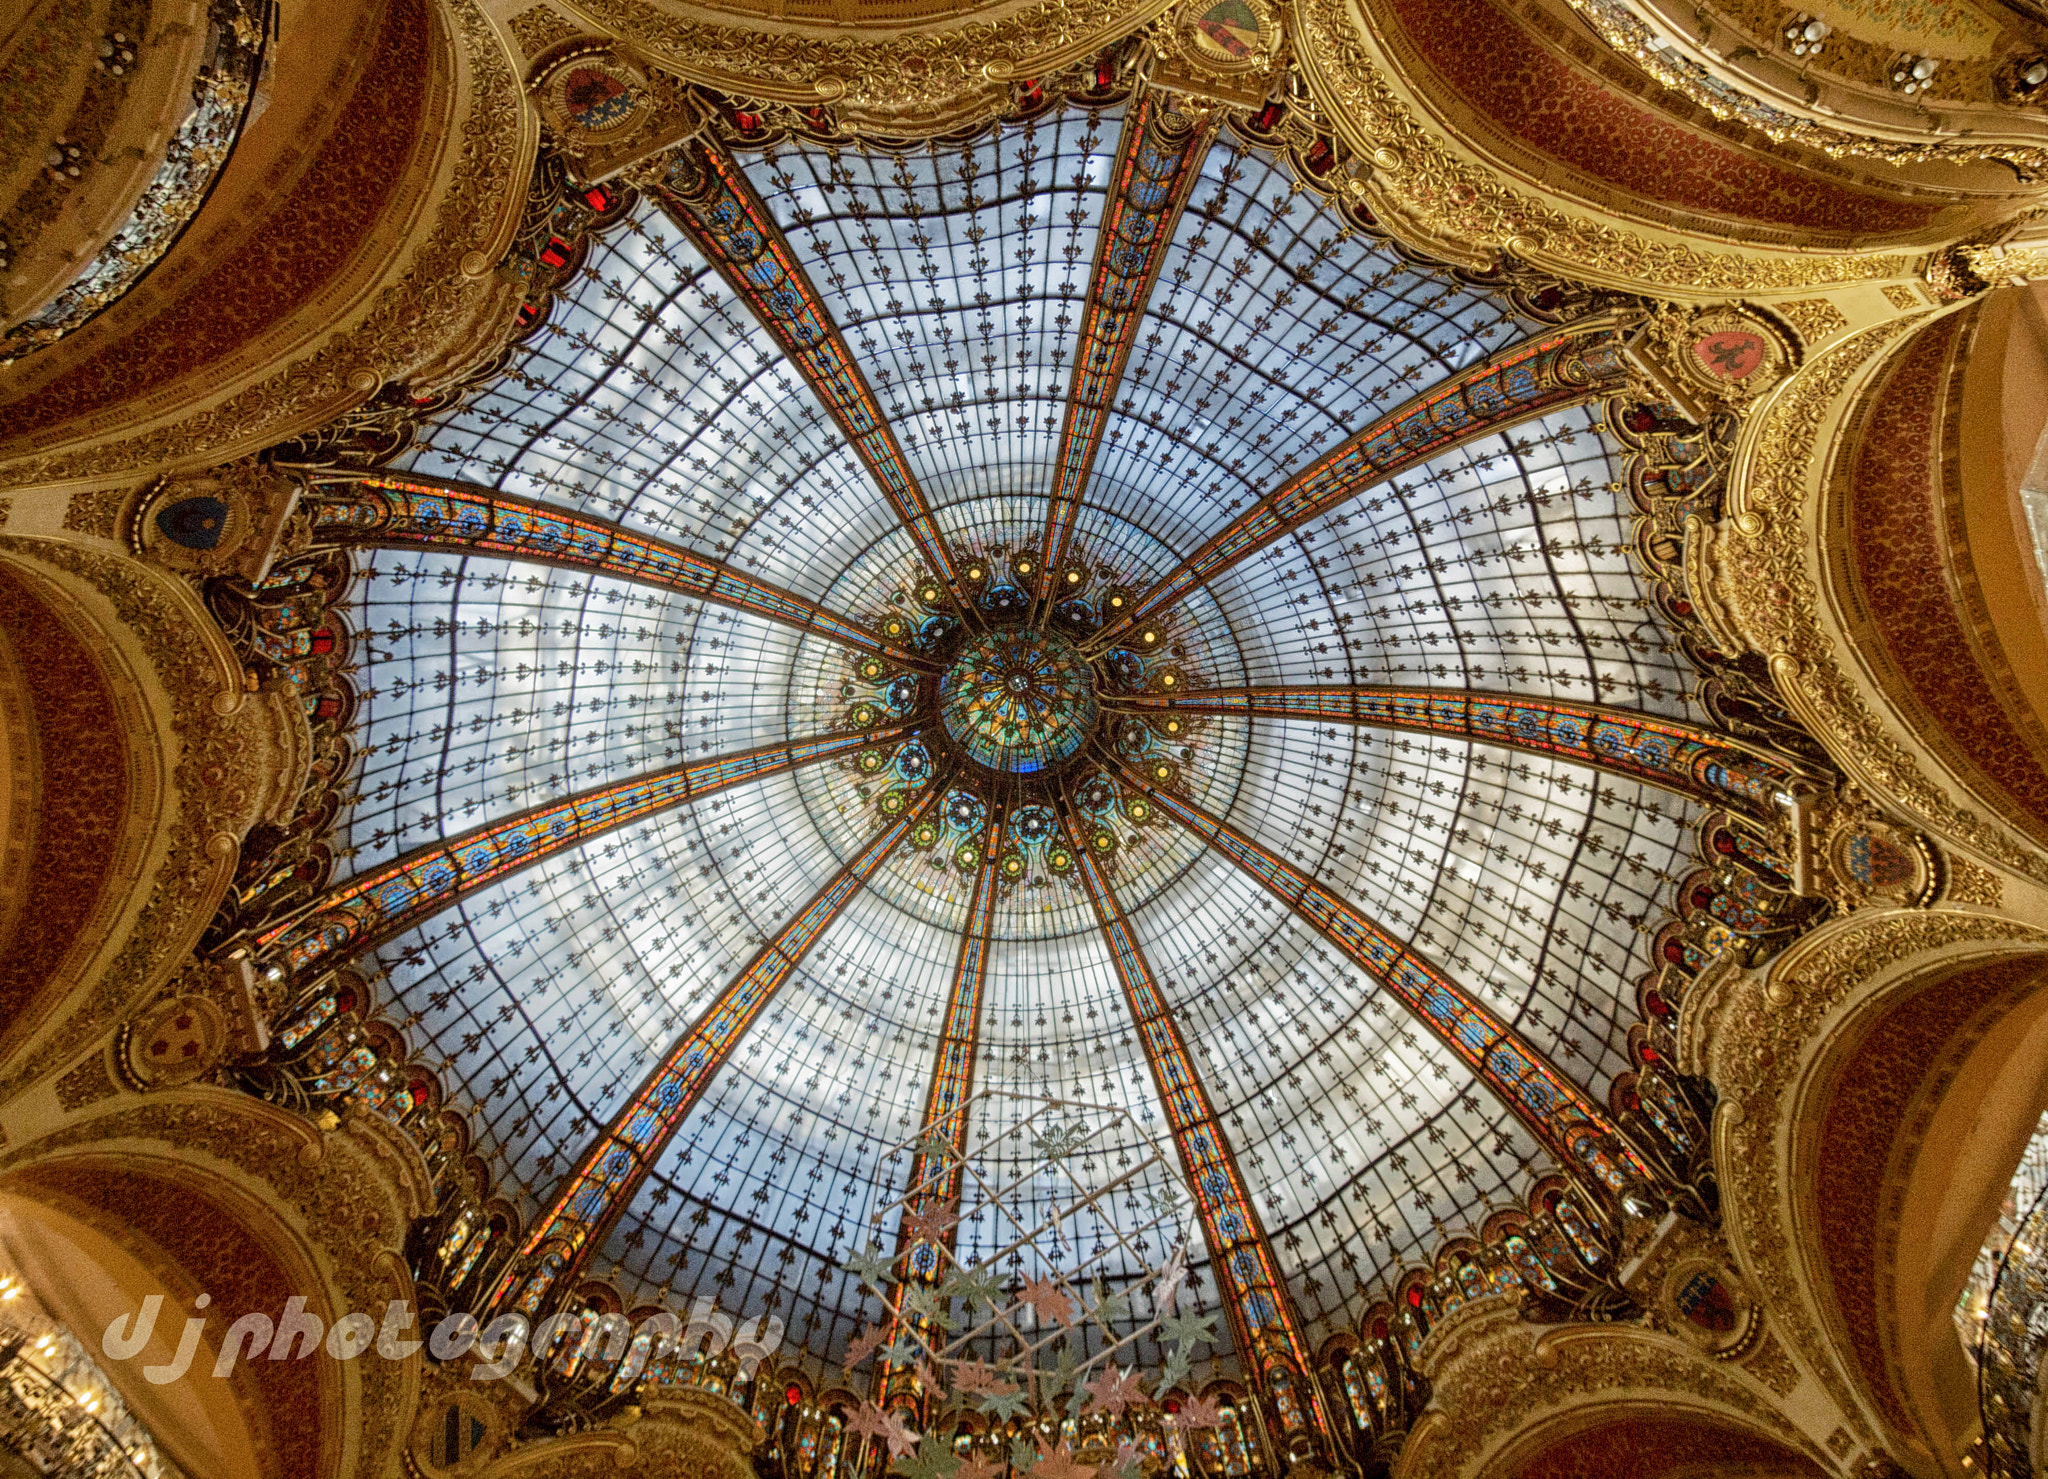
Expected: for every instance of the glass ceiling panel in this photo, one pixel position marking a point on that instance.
(955, 272)
(498, 686)
(1276, 331)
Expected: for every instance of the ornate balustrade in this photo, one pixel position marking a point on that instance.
(2010, 1349)
(224, 99)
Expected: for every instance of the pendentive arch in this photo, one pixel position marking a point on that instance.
(1902, 1133)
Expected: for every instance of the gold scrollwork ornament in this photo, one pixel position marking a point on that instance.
(1227, 51)
(1712, 359)
(173, 1042)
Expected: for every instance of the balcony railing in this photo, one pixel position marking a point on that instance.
(224, 97)
(2009, 1351)
(62, 1423)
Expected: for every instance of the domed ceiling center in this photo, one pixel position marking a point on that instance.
(1019, 700)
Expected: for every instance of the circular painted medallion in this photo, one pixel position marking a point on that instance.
(1228, 31)
(1731, 354)
(593, 98)
(1019, 700)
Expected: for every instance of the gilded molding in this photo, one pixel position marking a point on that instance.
(1421, 181)
(341, 1188)
(1504, 1378)
(438, 317)
(914, 78)
(225, 749)
(1763, 575)
(1755, 1045)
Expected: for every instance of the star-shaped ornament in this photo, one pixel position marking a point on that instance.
(1048, 1302)
(929, 1306)
(869, 1421)
(1197, 1412)
(972, 1376)
(934, 1459)
(873, 1268)
(1060, 1464)
(978, 1285)
(1109, 1308)
(1113, 1391)
(1002, 1405)
(928, 1224)
(865, 1344)
(1187, 1329)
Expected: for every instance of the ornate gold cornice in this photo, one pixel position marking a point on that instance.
(1757, 1038)
(334, 1192)
(1434, 188)
(913, 78)
(445, 310)
(1504, 1381)
(1764, 575)
(224, 749)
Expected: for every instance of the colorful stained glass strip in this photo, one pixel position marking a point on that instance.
(372, 907)
(952, 1082)
(1678, 757)
(1157, 162)
(1543, 1099)
(414, 513)
(1260, 1310)
(706, 195)
(608, 1174)
(1573, 364)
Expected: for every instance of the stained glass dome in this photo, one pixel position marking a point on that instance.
(1019, 701)
(1038, 430)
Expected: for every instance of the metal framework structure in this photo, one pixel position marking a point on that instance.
(1571, 364)
(620, 1158)
(1262, 1315)
(1157, 162)
(1159, 157)
(378, 511)
(705, 194)
(1554, 1109)
(1688, 759)
(370, 908)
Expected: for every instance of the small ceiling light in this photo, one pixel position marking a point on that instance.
(1913, 74)
(1806, 34)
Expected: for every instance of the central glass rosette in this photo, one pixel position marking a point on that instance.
(1019, 700)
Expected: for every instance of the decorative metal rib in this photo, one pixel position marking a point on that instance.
(376, 511)
(1685, 758)
(374, 906)
(1261, 1313)
(952, 1081)
(618, 1161)
(1553, 1108)
(1572, 364)
(1158, 160)
(706, 195)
